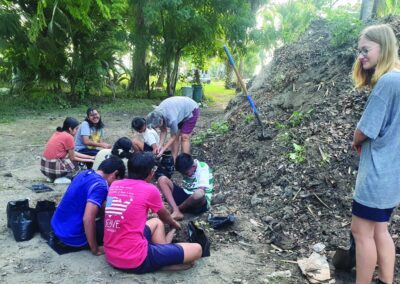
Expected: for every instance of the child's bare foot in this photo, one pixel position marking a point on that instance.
(170, 236)
(177, 215)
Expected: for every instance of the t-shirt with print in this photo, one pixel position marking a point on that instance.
(95, 135)
(175, 110)
(58, 145)
(202, 177)
(104, 154)
(67, 221)
(378, 177)
(128, 203)
(150, 137)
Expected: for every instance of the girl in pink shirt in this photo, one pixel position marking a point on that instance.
(130, 241)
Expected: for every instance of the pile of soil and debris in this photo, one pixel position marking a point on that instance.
(293, 198)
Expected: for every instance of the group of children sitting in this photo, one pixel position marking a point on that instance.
(118, 186)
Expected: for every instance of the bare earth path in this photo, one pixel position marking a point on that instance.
(21, 144)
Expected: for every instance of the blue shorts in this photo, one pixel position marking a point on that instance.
(147, 148)
(158, 255)
(372, 214)
(180, 196)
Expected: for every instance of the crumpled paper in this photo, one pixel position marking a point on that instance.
(315, 268)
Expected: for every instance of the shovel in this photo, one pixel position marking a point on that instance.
(263, 135)
(345, 259)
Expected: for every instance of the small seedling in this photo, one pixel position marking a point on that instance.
(298, 155)
(249, 118)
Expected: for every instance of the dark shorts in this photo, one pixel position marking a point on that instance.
(147, 148)
(159, 255)
(89, 152)
(188, 125)
(180, 196)
(372, 214)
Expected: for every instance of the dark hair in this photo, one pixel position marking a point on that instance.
(99, 125)
(140, 165)
(122, 148)
(69, 122)
(112, 164)
(138, 123)
(183, 163)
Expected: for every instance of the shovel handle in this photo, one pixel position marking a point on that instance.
(242, 84)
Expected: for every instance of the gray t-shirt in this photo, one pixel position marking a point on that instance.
(175, 110)
(378, 179)
(85, 130)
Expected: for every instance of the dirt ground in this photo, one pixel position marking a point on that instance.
(34, 262)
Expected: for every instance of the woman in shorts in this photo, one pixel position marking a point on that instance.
(376, 138)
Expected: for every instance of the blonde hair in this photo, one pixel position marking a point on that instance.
(388, 57)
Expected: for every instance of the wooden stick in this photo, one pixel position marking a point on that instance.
(312, 213)
(323, 203)
(294, 197)
(288, 261)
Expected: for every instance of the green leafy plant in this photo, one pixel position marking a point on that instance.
(344, 25)
(248, 118)
(296, 118)
(221, 127)
(216, 128)
(298, 155)
(280, 125)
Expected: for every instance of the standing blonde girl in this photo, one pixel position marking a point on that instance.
(377, 139)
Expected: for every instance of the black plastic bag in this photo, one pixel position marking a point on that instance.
(15, 206)
(166, 166)
(197, 235)
(219, 222)
(44, 212)
(23, 224)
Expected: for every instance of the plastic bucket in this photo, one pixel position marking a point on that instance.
(197, 93)
(187, 92)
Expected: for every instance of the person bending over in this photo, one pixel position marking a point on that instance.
(130, 242)
(74, 221)
(180, 115)
(195, 194)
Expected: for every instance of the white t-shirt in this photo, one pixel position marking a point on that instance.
(150, 137)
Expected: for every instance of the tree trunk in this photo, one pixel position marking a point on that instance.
(228, 74)
(174, 76)
(138, 82)
(161, 77)
(368, 9)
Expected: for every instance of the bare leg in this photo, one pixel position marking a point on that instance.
(192, 252)
(157, 231)
(386, 252)
(137, 145)
(185, 143)
(366, 255)
(197, 199)
(175, 147)
(166, 186)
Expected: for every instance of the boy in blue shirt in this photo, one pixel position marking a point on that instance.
(74, 221)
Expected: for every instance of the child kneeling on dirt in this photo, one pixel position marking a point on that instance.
(151, 139)
(131, 243)
(195, 194)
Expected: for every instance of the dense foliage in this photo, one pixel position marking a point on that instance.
(76, 47)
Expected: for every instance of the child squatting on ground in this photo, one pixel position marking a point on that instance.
(195, 194)
(132, 243)
(59, 161)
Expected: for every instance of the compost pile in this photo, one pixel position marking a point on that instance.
(295, 190)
